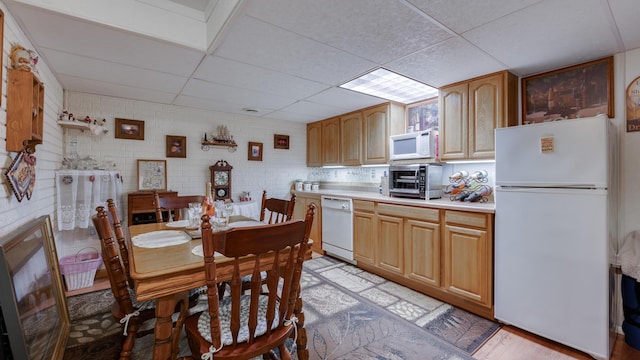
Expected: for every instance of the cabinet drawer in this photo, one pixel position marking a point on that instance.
(361, 205)
(424, 214)
(467, 219)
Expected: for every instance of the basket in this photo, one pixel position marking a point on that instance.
(79, 270)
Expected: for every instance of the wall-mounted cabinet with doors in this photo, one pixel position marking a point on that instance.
(470, 111)
(25, 110)
(446, 254)
(357, 138)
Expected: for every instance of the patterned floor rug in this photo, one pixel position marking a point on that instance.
(350, 314)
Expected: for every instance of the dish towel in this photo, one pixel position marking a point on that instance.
(162, 238)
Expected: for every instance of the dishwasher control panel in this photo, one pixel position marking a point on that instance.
(344, 204)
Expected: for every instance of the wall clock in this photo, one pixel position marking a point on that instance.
(221, 180)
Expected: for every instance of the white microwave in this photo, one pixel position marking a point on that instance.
(415, 145)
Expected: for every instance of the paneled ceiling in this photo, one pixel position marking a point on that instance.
(286, 58)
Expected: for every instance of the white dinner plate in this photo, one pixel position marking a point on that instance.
(239, 224)
(197, 250)
(178, 224)
(162, 238)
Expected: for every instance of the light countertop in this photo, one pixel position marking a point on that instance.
(443, 203)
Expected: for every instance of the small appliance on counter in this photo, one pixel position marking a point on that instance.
(419, 181)
(415, 145)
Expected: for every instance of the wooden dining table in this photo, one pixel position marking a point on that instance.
(166, 274)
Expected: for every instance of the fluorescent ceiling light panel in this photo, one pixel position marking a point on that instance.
(389, 85)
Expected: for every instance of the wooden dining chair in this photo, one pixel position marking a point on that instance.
(120, 238)
(173, 205)
(279, 209)
(242, 326)
(126, 309)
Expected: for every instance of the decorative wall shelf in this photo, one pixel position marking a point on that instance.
(230, 145)
(74, 125)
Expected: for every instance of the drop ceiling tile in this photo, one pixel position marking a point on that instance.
(365, 28)
(542, 38)
(223, 71)
(463, 15)
(84, 85)
(311, 110)
(245, 98)
(289, 116)
(54, 31)
(117, 74)
(626, 15)
(208, 104)
(254, 42)
(446, 63)
(345, 99)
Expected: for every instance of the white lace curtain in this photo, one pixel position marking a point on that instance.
(81, 191)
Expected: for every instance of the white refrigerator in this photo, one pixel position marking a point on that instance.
(554, 231)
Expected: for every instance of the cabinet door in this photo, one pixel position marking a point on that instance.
(314, 144)
(467, 263)
(390, 243)
(299, 213)
(376, 136)
(485, 115)
(331, 142)
(351, 135)
(422, 246)
(453, 137)
(364, 237)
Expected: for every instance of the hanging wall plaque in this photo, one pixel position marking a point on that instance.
(21, 175)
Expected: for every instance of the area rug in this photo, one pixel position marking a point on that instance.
(349, 314)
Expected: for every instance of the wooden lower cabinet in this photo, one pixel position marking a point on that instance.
(299, 212)
(445, 254)
(468, 256)
(364, 234)
(391, 243)
(422, 246)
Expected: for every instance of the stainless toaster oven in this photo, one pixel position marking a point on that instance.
(419, 181)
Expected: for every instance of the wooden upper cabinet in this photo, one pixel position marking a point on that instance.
(351, 138)
(376, 135)
(453, 122)
(25, 110)
(357, 138)
(331, 141)
(314, 144)
(470, 112)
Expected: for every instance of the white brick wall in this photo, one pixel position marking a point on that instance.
(275, 173)
(13, 214)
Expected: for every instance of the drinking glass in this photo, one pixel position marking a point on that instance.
(195, 211)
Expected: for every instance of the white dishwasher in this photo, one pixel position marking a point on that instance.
(337, 227)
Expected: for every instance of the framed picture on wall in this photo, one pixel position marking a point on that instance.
(255, 151)
(422, 115)
(129, 129)
(152, 174)
(176, 146)
(280, 141)
(583, 90)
